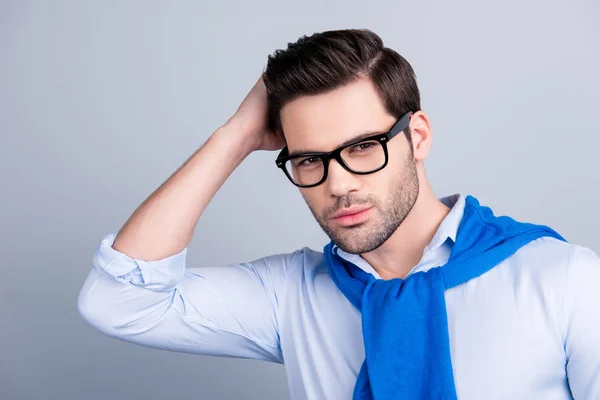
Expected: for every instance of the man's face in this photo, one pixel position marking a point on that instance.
(322, 123)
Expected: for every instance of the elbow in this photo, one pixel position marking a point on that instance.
(120, 310)
(91, 309)
(94, 304)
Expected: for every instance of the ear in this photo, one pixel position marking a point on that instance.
(420, 132)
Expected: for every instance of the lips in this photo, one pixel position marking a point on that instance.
(349, 211)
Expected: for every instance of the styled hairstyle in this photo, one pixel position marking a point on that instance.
(327, 60)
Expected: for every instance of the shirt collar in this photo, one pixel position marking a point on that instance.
(446, 230)
(449, 225)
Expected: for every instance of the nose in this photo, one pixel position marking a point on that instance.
(339, 180)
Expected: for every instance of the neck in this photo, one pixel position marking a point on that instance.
(404, 249)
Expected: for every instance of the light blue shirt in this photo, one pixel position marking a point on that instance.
(527, 329)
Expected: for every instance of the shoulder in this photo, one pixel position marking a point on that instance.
(543, 256)
(547, 254)
(555, 269)
(583, 276)
(544, 269)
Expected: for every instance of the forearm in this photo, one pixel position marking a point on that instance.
(164, 223)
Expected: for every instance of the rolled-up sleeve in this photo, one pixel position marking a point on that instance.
(160, 275)
(228, 310)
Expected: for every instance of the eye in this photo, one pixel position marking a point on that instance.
(363, 146)
(308, 162)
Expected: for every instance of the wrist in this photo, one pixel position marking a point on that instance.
(238, 140)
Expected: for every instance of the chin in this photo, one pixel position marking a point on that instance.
(350, 243)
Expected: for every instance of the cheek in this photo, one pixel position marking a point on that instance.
(313, 198)
(396, 168)
(382, 181)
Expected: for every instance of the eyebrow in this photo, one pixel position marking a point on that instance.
(357, 137)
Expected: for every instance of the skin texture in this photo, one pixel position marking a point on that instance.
(405, 214)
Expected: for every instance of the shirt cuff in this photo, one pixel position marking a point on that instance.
(157, 275)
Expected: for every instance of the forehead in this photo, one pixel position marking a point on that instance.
(321, 122)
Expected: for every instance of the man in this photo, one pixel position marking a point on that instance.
(511, 314)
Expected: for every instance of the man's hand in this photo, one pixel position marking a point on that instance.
(250, 120)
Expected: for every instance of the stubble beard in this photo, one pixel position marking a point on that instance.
(369, 235)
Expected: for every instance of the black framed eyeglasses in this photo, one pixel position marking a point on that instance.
(362, 156)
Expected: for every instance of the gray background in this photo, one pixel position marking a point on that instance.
(101, 101)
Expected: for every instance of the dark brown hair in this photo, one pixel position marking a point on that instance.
(327, 60)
